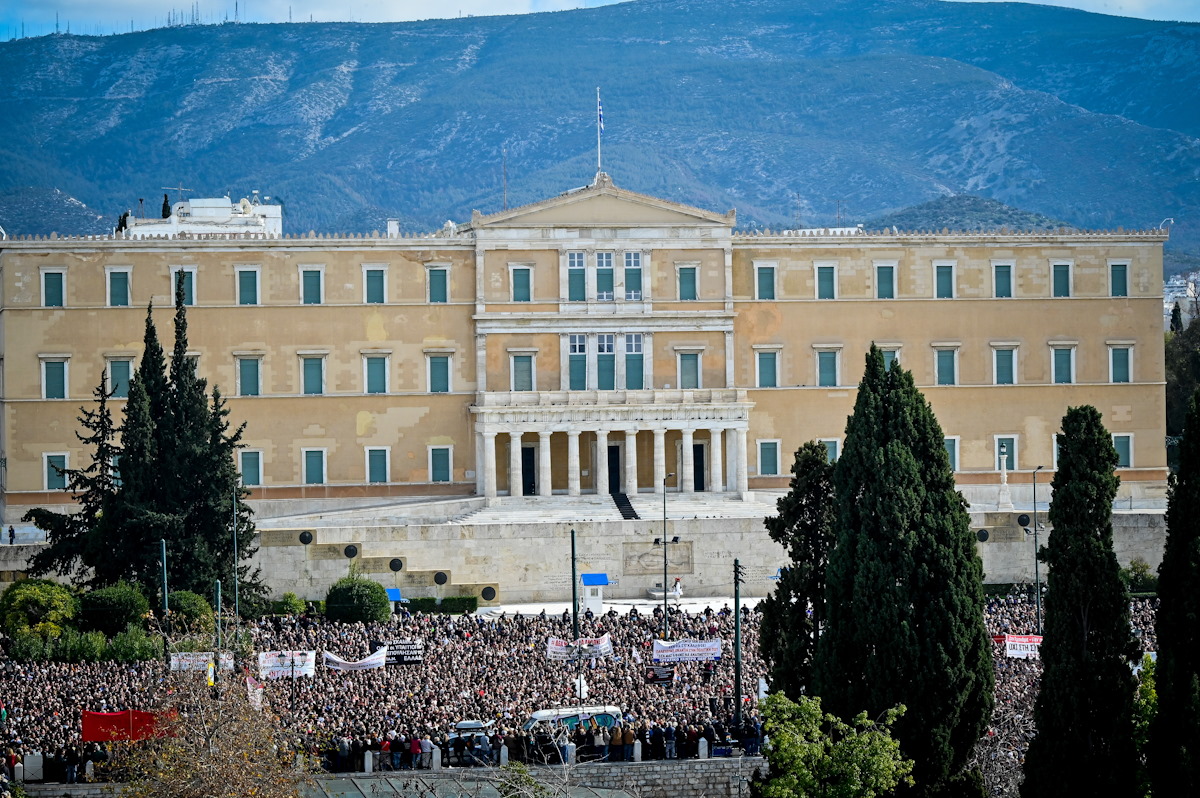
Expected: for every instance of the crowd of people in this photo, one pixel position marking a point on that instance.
(490, 669)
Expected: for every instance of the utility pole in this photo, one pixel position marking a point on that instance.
(237, 615)
(737, 644)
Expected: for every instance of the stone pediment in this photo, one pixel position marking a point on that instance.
(602, 204)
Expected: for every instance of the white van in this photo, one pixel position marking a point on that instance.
(603, 715)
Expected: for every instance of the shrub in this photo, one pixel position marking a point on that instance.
(354, 599)
(1138, 577)
(76, 646)
(27, 646)
(110, 609)
(190, 612)
(37, 605)
(289, 604)
(134, 645)
(450, 605)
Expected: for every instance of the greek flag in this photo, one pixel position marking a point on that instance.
(599, 111)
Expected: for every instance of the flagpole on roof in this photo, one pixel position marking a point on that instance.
(599, 128)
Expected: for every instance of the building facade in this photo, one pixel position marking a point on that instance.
(600, 341)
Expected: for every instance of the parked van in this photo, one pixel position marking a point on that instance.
(603, 715)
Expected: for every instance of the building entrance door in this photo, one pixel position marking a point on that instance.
(614, 468)
(698, 461)
(528, 471)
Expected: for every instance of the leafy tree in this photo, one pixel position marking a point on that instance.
(1084, 711)
(1175, 732)
(191, 610)
(289, 604)
(905, 594)
(1181, 355)
(816, 754)
(110, 609)
(37, 606)
(1176, 319)
(788, 639)
(354, 599)
(1145, 708)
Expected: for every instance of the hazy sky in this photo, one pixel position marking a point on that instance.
(108, 16)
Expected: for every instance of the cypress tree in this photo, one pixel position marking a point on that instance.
(804, 525)
(1084, 711)
(905, 594)
(1176, 319)
(1174, 751)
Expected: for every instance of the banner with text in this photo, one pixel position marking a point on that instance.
(376, 660)
(199, 661)
(687, 650)
(660, 674)
(402, 652)
(1022, 646)
(583, 648)
(287, 664)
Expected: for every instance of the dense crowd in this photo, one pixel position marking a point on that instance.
(490, 669)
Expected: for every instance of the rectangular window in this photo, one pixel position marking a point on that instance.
(885, 282)
(56, 466)
(374, 286)
(54, 379)
(831, 448)
(314, 466)
(946, 366)
(1064, 365)
(1006, 452)
(118, 288)
(1002, 280)
(1061, 279)
(439, 286)
(827, 368)
(185, 276)
(687, 283)
(951, 445)
(247, 286)
(439, 464)
(1119, 363)
(604, 276)
(576, 277)
(1004, 366)
(1118, 279)
(689, 370)
(439, 373)
(1124, 446)
(577, 362)
(522, 372)
(520, 284)
(633, 276)
(53, 288)
(768, 458)
(376, 373)
(312, 288)
(314, 375)
(767, 364)
(248, 376)
(944, 280)
(765, 283)
(377, 465)
(606, 361)
(251, 468)
(826, 282)
(119, 372)
(890, 356)
(634, 363)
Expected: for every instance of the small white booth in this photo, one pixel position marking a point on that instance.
(593, 592)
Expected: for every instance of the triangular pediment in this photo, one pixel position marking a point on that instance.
(602, 204)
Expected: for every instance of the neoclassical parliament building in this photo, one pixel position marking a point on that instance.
(597, 342)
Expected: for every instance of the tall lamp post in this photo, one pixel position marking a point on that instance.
(1037, 579)
(664, 545)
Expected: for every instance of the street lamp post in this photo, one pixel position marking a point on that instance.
(1037, 579)
(664, 545)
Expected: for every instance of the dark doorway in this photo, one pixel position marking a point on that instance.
(528, 471)
(698, 466)
(614, 469)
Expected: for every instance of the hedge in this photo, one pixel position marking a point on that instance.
(451, 605)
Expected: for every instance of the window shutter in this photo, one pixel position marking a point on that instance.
(945, 282)
(952, 453)
(604, 284)
(1003, 272)
(827, 369)
(312, 287)
(578, 372)
(576, 285)
(633, 283)
(375, 286)
(1120, 364)
(312, 375)
(440, 463)
(314, 468)
(766, 282)
(56, 379)
(247, 288)
(251, 469)
(55, 478)
(520, 285)
(118, 289)
(53, 289)
(1062, 366)
(825, 286)
(120, 378)
(1062, 279)
(945, 367)
(377, 465)
(376, 375)
(606, 374)
(634, 378)
(438, 292)
(689, 371)
(523, 373)
(766, 370)
(886, 278)
(1120, 279)
(439, 374)
(769, 458)
(687, 283)
(1004, 367)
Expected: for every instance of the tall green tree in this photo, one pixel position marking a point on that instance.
(1176, 319)
(1084, 711)
(1174, 751)
(905, 593)
(792, 616)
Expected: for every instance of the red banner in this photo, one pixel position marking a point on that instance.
(102, 727)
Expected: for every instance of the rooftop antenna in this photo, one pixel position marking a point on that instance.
(178, 188)
(504, 173)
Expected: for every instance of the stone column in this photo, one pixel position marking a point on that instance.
(478, 463)
(543, 487)
(743, 483)
(687, 474)
(660, 459)
(573, 462)
(601, 480)
(514, 464)
(716, 457)
(488, 465)
(631, 462)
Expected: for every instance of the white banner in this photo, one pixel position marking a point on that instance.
(199, 660)
(287, 664)
(1022, 646)
(254, 691)
(583, 648)
(687, 650)
(376, 660)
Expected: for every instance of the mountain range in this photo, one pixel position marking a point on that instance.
(794, 112)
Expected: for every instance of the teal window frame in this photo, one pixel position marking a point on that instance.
(946, 366)
(1118, 279)
(521, 278)
(764, 282)
(119, 289)
(767, 363)
(635, 363)
(522, 373)
(439, 285)
(377, 465)
(375, 373)
(249, 376)
(1004, 363)
(827, 368)
(439, 373)
(768, 458)
(55, 378)
(1002, 280)
(312, 286)
(826, 282)
(120, 370)
(885, 282)
(689, 371)
(54, 466)
(943, 280)
(441, 464)
(633, 276)
(1123, 443)
(1060, 280)
(688, 284)
(1063, 365)
(188, 275)
(312, 375)
(247, 287)
(374, 286)
(1120, 360)
(54, 288)
(250, 467)
(951, 444)
(314, 467)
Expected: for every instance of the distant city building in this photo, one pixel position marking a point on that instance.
(594, 342)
